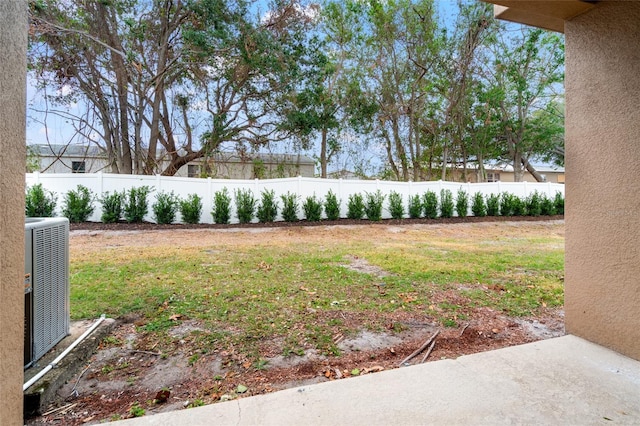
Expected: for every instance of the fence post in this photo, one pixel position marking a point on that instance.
(158, 183)
(101, 184)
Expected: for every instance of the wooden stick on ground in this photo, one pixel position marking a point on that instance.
(420, 349)
(64, 407)
(424, 358)
(463, 329)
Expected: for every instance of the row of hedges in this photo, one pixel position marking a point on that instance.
(132, 205)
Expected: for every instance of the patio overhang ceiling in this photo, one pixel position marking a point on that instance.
(547, 14)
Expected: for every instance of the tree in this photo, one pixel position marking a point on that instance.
(331, 99)
(528, 67)
(166, 82)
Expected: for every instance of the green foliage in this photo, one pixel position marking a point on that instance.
(534, 204)
(478, 206)
(40, 202)
(312, 208)
(396, 208)
(33, 160)
(135, 204)
(289, 207)
(191, 208)
(519, 206)
(373, 205)
(268, 207)
(493, 205)
(507, 204)
(462, 203)
(136, 410)
(332, 206)
(165, 207)
(558, 203)
(415, 206)
(221, 206)
(78, 204)
(446, 203)
(430, 204)
(112, 206)
(547, 208)
(355, 206)
(245, 205)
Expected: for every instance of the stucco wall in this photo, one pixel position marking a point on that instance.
(602, 277)
(13, 44)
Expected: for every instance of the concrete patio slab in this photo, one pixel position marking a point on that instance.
(565, 380)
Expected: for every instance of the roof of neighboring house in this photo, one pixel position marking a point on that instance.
(540, 167)
(87, 151)
(69, 150)
(265, 157)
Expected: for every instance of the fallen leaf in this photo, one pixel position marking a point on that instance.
(241, 389)
(355, 372)
(495, 330)
(175, 317)
(247, 364)
(162, 396)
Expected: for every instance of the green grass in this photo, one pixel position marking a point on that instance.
(246, 293)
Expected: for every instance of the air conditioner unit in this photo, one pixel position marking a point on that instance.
(46, 285)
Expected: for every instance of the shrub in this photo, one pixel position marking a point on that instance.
(221, 206)
(191, 208)
(355, 207)
(534, 204)
(430, 204)
(268, 208)
(39, 202)
(312, 208)
(135, 204)
(493, 205)
(415, 206)
(165, 207)
(558, 203)
(546, 206)
(446, 203)
(289, 207)
(373, 206)
(332, 206)
(245, 205)
(478, 206)
(78, 204)
(112, 207)
(519, 206)
(507, 204)
(462, 203)
(396, 208)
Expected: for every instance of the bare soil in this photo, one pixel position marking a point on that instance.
(127, 371)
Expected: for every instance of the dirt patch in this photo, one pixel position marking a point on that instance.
(130, 370)
(361, 265)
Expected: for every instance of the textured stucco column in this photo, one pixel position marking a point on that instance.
(602, 268)
(13, 44)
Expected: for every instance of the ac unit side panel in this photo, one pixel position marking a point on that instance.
(50, 286)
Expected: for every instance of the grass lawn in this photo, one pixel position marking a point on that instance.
(299, 285)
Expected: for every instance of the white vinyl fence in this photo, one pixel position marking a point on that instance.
(101, 183)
